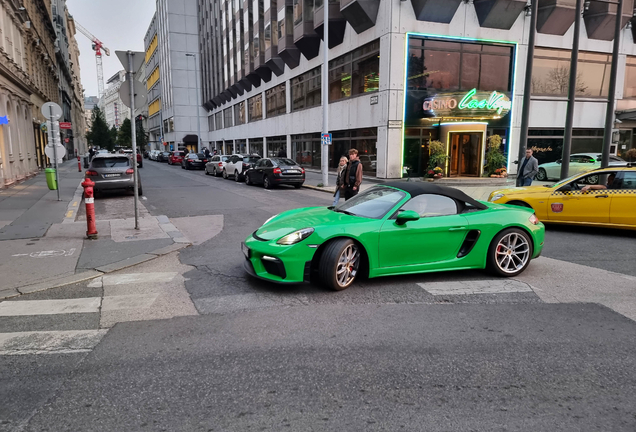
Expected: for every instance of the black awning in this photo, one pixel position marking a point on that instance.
(626, 115)
(190, 139)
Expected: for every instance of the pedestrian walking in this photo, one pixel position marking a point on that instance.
(353, 175)
(528, 170)
(282, 152)
(342, 166)
(207, 153)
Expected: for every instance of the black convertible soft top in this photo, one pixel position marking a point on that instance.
(420, 188)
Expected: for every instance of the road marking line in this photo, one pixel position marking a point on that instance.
(496, 286)
(50, 342)
(69, 214)
(74, 203)
(132, 278)
(123, 302)
(50, 307)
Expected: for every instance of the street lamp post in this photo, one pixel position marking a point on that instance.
(611, 99)
(324, 148)
(569, 118)
(196, 78)
(527, 86)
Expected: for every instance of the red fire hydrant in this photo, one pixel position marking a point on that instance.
(79, 164)
(90, 208)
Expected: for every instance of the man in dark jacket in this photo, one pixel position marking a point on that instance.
(353, 175)
(529, 167)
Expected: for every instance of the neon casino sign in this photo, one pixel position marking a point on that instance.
(473, 104)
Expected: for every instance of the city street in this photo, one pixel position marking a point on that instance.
(186, 340)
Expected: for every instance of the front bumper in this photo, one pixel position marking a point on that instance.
(277, 263)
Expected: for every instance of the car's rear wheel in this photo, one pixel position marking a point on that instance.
(206, 170)
(340, 263)
(267, 183)
(510, 252)
(542, 175)
(237, 177)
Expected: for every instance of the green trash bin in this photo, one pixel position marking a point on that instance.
(50, 178)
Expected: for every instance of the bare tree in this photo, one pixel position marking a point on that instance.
(557, 82)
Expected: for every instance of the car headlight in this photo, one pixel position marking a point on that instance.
(496, 197)
(295, 237)
(270, 219)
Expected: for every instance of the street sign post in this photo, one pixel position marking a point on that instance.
(132, 61)
(53, 112)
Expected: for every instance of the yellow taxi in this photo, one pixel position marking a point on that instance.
(603, 197)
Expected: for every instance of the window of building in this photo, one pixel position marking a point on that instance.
(255, 108)
(211, 123)
(629, 91)
(551, 73)
(305, 90)
(256, 146)
(227, 117)
(275, 97)
(218, 120)
(458, 66)
(355, 73)
(285, 22)
(239, 113)
(306, 149)
(276, 145)
(547, 144)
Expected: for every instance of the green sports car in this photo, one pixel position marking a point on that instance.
(393, 229)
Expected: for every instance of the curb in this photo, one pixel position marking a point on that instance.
(60, 281)
(317, 188)
(74, 205)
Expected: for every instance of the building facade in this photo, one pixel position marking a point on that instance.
(18, 154)
(175, 115)
(78, 119)
(405, 73)
(114, 109)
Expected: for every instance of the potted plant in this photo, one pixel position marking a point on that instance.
(438, 173)
(495, 160)
(437, 157)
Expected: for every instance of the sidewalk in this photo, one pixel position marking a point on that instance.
(43, 241)
(470, 187)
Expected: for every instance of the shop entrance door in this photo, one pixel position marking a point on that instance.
(465, 153)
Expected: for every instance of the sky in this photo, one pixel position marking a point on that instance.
(120, 24)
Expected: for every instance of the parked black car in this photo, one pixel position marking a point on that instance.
(163, 156)
(194, 161)
(274, 171)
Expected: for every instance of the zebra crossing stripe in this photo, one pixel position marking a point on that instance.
(50, 342)
(50, 307)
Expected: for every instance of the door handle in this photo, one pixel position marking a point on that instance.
(461, 228)
(601, 196)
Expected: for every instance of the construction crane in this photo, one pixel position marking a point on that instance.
(98, 47)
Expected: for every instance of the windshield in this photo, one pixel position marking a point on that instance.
(251, 159)
(374, 203)
(110, 162)
(283, 161)
(562, 182)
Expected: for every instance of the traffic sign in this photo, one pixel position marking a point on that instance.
(326, 139)
(66, 125)
(139, 90)
(138, 59)
(67, 140)
(51, 111)
(50, 152)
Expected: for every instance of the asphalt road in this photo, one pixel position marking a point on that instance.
(386, 354)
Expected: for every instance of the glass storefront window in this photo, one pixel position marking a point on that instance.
(276, 146)
(241, 146)
(256, 146)
(306, 149)
(551, 73)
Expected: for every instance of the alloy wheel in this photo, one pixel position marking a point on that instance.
(347, 267)
(512, 253)
(541, 175)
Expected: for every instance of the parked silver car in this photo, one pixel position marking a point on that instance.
(112, 172)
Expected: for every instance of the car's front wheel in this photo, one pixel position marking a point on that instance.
(542, 175)
(267, 183)
(248, 181)
(340, 263)
(237, 177)
(225, 174)
(510, 252)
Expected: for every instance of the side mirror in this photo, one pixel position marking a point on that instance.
(407, 216)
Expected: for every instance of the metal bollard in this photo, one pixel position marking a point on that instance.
(90, 208)
(79, 164)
